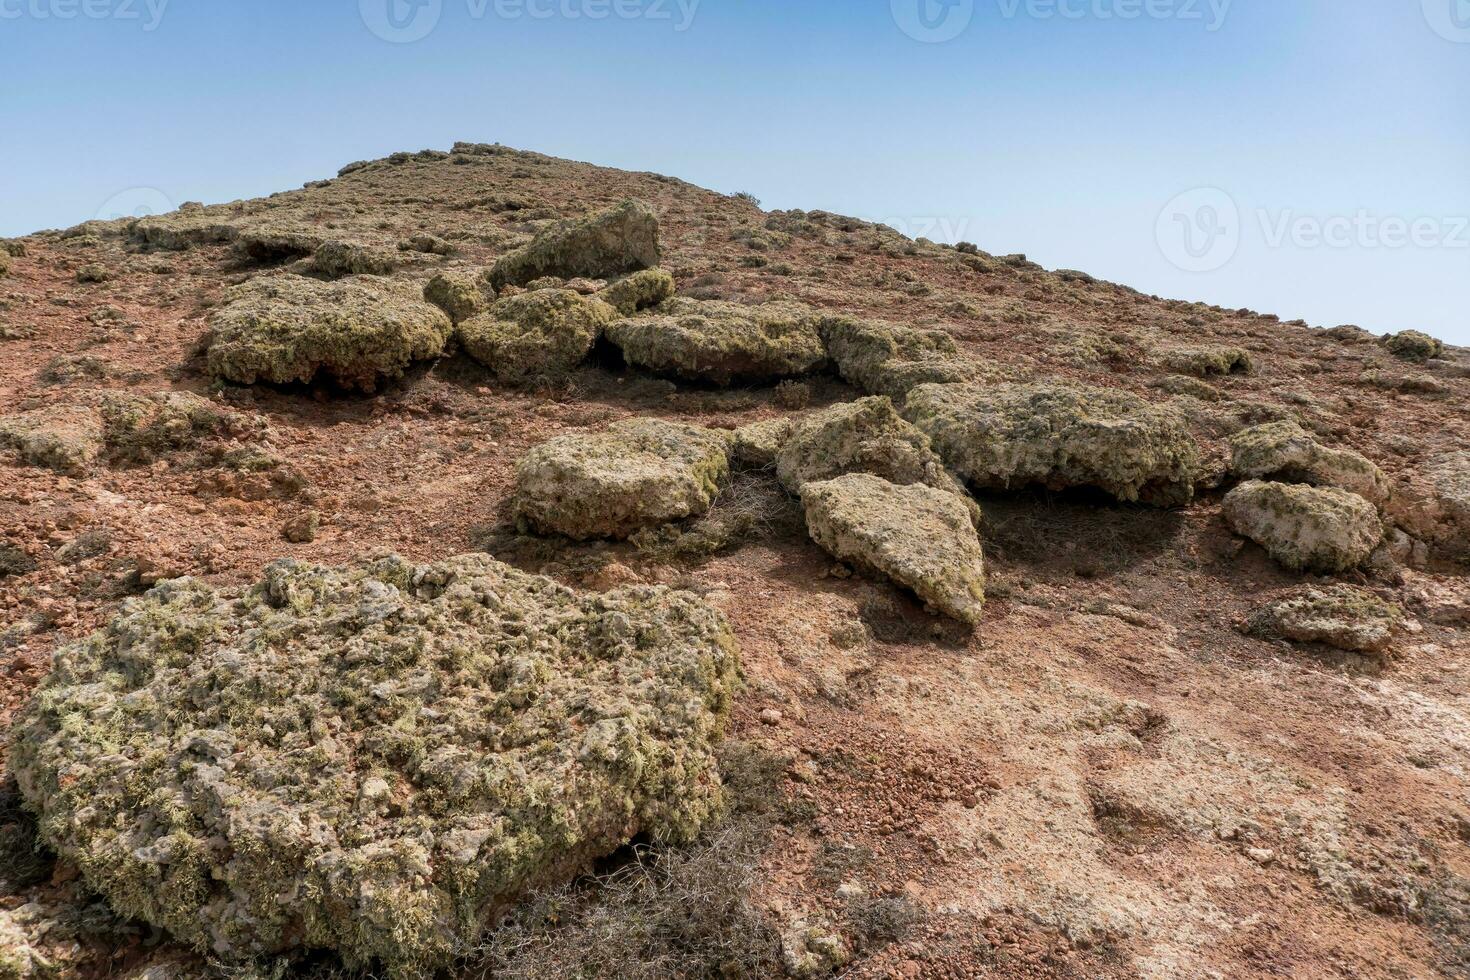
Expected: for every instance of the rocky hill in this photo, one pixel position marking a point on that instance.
(496, 565)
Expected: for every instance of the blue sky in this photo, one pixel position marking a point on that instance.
(1309, 158)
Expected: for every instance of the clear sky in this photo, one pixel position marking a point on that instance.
(1305, 157)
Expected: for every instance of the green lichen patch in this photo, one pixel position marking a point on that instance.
(1058, 435)
(1310, 529)
(640, 473)
(639, 291)
(336, 259)
(918, 536)
(609, 243)
(756, 446)
(183, 229)
(1413, 345)
(139, 430)
(1286, 452)
(460, 294)
(1341, 616)
(1206, 360)
(536, 334)
(889, 359)
(65, 438)
(270, 244)
(715, 341)
(284, 329)
(373, 760)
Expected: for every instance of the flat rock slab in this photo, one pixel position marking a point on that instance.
(357, 332)
(1007, 435)
(709, 340)
(1306, 529)
(919, 537)
(640, 473)
(609, 243)
(539, 334)
(1341, 616)
(373, 760)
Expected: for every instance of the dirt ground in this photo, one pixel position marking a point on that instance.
(1108, 778)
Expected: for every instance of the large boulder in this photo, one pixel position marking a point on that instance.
(1433, 503)
(1060, 435)
(889, 359)
(1286, 452)
(1341, 616)
(709, 340)
(609, 243)
(537, 334)
(374, 760)
(461, 294)
(919, 537)
(1306, 529)
(865, 436)
(358, 332)
(65, 438)
(756, 446)
(640, 473)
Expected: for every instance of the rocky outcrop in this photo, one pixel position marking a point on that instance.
(1413, 345)
(1285, 452)
(1341, 616)
(372, 760)
(1207, 360)
(1433, 504)
(1305, 529)
(65, 438)
(889, 359)
(707, 340)
(639, 291)
(460, 294)
(610, 243)
(539, 334)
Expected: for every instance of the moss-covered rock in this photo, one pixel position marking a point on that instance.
(756, 446)
(94, 272)
(640, 473)
(710, 340)
(1433, 503)
(372, 760)
(613, 242)
(1209, 359)
(65, 438)
(183, 229)
(639, 291)
(336, 259)
(4, 264)
(428, 245)
(1286, 452)
(276, 244)
(1060, 435)
(1341, 616)
(283, 329)
(143, 429)
(865, 436)
(1306, 529)
(920, 537)
(889, 359)
(536, 334)
(460, 294)
(1413, 345)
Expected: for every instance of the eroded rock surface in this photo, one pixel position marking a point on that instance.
(890, 359)
(716, 341)
(1433, 503)
(1286, 452)
(609, 243)
(65, 438)
(536, 334)
(1341, 616)
(1306, 529)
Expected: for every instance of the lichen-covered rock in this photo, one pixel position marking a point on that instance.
(810, 950)
(1285, 452)
(888, 359)
(919, 537)
(865, 436)
(460, 294)
(1433, 504)
(358, 332)
(4, 264)
(1341, 616)
(710, 340)
(639, 291)
(142, 429)
(640, 473)
(427, 244)
(1010, 435)
(1306, 529)
(65, 438)
(94, 272)
(371, 760)
(613, 242)
(338, 258)
(182, 229)
(1207, 360)
(756, 446)
(269, 244)
(536, 334)
(1413, 345)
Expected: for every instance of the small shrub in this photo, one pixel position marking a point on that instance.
(793, 395)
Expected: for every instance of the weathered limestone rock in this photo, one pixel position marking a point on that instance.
(1341, 616)
(65, 438)
(358, 332)
(610, 243)
(888, 359)
(1207, 360)
(1060, 435)
(641, 473)
(639, 291)
(373, 760)
(919, 537)
(756, 446)
(1312, 529)
(1433, 504)
(141, 429)
(338, 258)
(537, 334)
(460, 294)
(271, 244)
(715, 341)
(1286, 452)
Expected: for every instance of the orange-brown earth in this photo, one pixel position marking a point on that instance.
(1108, 778)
